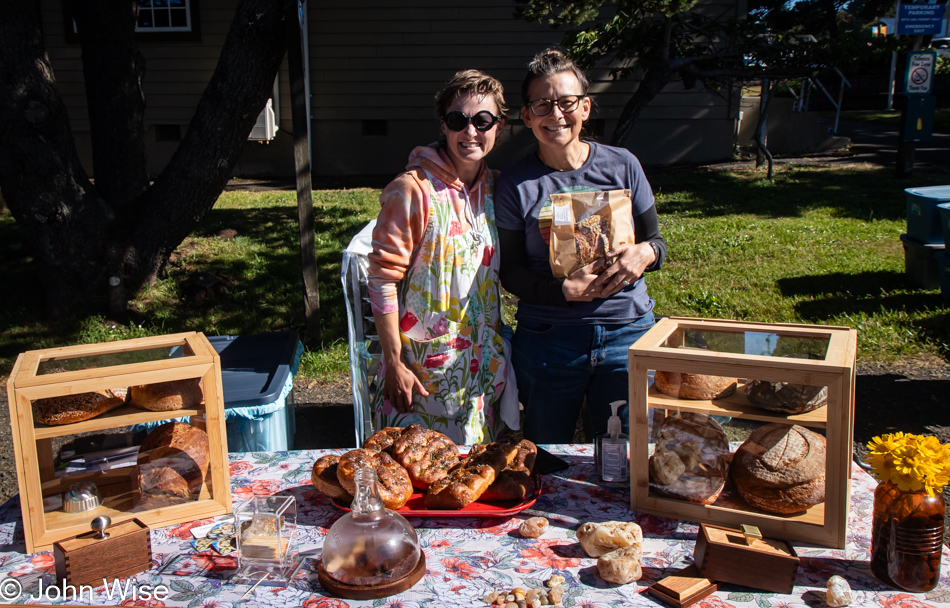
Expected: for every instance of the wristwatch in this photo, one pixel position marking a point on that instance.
(656, 252)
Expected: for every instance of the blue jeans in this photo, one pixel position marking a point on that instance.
(558, 365)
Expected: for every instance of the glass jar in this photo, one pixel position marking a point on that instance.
(907, 538)
(370, 545)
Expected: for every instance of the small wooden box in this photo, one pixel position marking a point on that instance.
(80, 369)
(86, 560)
(682, 589)
(749, 351)
(723, 555)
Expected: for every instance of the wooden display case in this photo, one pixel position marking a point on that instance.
(80, 369)
(749, 351)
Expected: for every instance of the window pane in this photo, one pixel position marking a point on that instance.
(179, 17)
(159, 2)
(161, 18)
(145, 18)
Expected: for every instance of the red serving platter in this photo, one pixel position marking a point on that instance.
(416, 507)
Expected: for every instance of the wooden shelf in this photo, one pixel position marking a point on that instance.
(815, 515)
(127, 415)
(118, 508)
(736, 405)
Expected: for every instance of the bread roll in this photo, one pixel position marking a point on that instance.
(185, 447)
(781, 468)
(167, 396)
(68, 409)
(324, 478)
(599, 538)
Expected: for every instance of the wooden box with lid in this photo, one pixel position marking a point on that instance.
(750, 436)
(58, 504)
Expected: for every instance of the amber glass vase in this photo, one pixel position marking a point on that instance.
(906, 538)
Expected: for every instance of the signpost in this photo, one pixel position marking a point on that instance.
(918, 115)
(919, 18)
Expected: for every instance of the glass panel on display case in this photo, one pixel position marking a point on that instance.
(765, 344)
(58, 365)
(170, 467)
(775, 468)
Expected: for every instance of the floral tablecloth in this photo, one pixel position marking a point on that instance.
(466, 558)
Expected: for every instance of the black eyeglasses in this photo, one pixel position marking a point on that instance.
(543, 107)
(482, 121)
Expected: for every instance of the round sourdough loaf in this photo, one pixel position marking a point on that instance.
(162, 486)
(167, 396)
(693, 386)
(781, 468)
(185, 447)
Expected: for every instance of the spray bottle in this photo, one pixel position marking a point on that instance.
(612, 450)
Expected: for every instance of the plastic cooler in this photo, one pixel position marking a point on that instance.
(920, 265)
(923, 219)
(257, 377)
(943, 210)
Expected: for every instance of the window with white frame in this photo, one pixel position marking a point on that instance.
(164, 16)
(158, 20)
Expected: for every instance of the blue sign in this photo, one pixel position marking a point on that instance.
(918, 19)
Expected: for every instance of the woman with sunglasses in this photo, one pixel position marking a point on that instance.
(573, 334)
(433, 275)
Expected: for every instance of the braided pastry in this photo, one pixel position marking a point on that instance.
(325, 480)
(468, 480)
(394, 485)
(427, 455)
(516, 480)
(382, 441)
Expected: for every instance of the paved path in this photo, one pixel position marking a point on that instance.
(877, 145)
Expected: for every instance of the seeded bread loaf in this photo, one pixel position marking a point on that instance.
(68, 409)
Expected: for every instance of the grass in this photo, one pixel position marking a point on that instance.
(893, 118)
(817, 245)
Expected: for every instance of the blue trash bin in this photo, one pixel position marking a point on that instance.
(257, 379)
(257, 383)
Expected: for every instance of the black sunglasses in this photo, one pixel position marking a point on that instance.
(482, 121)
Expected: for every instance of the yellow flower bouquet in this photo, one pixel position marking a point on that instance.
(911, 462)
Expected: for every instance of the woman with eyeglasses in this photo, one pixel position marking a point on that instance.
(573, 334)
(433, 275)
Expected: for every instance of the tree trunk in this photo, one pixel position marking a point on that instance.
(658, 76)
(81, 238)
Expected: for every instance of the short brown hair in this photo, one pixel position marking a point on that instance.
(548, 63)
(472, 82)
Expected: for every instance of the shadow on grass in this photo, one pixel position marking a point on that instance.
(262, 288)
(864, 194)
(836, 294)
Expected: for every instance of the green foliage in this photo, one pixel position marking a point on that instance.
(260, 288)
(817, 245)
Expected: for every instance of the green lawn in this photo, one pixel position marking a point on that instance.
(893, 118)
(817, 245)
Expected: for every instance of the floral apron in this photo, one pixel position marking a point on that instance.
(449, 323)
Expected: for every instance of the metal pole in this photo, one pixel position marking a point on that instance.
(890, 89)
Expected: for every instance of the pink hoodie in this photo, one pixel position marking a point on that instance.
(404, 215)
